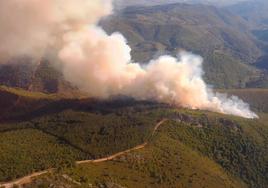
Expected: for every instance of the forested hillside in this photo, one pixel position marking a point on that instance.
(224, 39)
(190, 149)
(54, 135)
(220, 36)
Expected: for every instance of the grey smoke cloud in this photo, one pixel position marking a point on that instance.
(100, 64)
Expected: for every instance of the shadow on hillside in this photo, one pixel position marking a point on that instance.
(115, 105)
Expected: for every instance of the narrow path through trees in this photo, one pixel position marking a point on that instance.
(28, 179)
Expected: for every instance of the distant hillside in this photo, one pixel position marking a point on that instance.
(257, 98)
(28, 74)
(123, 3)
(220, 36)
(254, 12)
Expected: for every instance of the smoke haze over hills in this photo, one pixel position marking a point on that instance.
(101, 64)
(124, 3)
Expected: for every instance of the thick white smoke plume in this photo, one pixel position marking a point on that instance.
(28, 27)
(101, 64)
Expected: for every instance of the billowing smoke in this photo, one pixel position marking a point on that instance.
(100, 64)
(28, 27)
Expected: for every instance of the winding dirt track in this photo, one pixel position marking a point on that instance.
(28, 179)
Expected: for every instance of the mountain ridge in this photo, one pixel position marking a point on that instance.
(221, 37)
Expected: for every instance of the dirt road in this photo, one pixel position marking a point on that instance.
(28, 179)
(24, 180)
(111, 157)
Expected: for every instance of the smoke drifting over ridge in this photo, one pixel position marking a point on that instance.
(101, 64)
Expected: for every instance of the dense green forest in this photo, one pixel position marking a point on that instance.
(192, 148)
(63, 138)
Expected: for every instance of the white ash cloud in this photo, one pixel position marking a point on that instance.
(100, 64)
